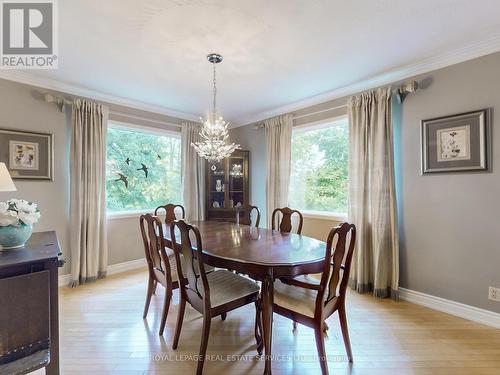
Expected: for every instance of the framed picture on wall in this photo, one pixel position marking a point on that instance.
(456, 143)
(28, 155)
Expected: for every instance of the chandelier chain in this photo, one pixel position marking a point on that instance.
(215, 91)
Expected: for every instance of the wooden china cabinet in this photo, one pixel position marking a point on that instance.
(227, 186)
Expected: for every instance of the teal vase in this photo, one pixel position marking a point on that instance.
(14, 237)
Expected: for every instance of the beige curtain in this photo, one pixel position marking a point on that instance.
(193, 172)
(278, 145)
(372, 198)
(88, 240)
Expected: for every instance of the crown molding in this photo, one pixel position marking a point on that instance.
(469, 52)
(71, 89)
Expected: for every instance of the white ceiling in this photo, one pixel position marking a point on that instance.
(276, 52)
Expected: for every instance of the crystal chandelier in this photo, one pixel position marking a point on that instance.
(214, 146)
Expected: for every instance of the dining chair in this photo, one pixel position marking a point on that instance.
(170, 211)
(170, 214)
(285, 224)
(281, 220)
(244, 215)
(311, 303)
(211, 294)
(162, 268)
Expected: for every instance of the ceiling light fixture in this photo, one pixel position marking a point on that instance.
(214, 146)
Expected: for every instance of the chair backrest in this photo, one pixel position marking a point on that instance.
(154, 245)
(170, 212)
(191, 265)
(336, 274)
(285, 224)
(244, 214)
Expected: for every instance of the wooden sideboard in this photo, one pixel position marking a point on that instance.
(29, 317)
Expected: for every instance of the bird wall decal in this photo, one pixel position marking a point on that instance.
(158, 156)
(128, 160)
(144, 168)
(124, 179)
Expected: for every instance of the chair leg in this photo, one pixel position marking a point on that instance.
(155, 284)
(345, 332)
(166, 305)
(320, 345)
(148, 298)
(180, 319)
(204, 343)
(223, 316)
(258, 327)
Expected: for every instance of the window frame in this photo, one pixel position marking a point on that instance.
(317, 125)
(120, 125)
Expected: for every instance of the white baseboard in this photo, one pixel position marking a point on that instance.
(126, 266)
(112, 269)
(475, 314)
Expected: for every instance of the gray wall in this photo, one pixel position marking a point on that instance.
(254, 140)
(22, 108)
(449, 223)
(450, 233)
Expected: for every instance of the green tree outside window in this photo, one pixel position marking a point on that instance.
(127, 151)
(319, 174)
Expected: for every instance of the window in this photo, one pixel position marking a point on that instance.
(319, 174)
(143, 168)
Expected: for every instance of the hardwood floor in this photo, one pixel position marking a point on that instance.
(102, 332)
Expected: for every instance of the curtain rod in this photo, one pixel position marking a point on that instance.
(135, 117)
(401, 91)
(295, 117)
(61, 102)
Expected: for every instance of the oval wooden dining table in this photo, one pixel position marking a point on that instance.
(264, 255)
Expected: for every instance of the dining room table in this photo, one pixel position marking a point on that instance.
(262, 254)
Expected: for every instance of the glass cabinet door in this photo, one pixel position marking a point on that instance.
(236, 197)
(217, 185)
(227, 186)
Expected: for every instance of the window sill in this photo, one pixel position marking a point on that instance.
(322, 215)
(128, 214)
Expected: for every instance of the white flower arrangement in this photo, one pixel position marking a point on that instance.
(17, 212)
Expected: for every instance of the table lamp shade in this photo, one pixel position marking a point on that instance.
(6, 183)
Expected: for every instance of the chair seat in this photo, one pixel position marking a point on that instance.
(173, 269)
(226, 287)
(173, 265)
(295, 298)
(170, 252)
